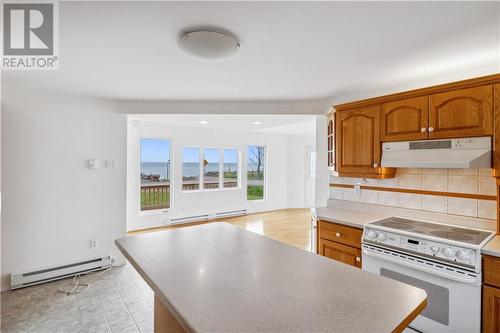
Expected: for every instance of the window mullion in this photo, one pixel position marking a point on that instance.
(221, 169)
(202, 169)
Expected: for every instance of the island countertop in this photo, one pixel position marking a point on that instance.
(220, 278)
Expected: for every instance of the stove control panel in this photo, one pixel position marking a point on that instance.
(438, 250)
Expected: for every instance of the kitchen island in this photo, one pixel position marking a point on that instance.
(220, 278)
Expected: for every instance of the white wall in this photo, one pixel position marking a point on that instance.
(52, 204)
(197, 203)
(297, 171)
(322, 173)
(300, 107)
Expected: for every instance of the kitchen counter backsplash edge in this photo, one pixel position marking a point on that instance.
(356, 215)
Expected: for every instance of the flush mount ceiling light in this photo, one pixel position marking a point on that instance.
(256, 122)
(208, 45)
(203, 122)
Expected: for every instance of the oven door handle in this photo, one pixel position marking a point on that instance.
(469, 280)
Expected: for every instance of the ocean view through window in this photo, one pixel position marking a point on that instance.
(155, 174)
(211, 167)
(256, 160)
(190, 169)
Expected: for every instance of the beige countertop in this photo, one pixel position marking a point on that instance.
(493, 247)
(357, 214)
(217, 277)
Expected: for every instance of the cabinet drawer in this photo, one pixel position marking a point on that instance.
(340, 233)
(343, 253)
(491, 271)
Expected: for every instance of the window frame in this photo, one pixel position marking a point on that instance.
(171, 174)
(203, 189)
(238, 170)
(221, 169)
(265, 170)
(200, 170)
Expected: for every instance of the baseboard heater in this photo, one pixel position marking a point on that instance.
(195, 218)
(231, 213)
(29, 278)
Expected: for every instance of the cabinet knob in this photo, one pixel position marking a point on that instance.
(431, 129)
(337, 234)
(423, 130)
(358, 259)
(375, 165)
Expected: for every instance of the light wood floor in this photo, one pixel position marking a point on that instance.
(290, 226)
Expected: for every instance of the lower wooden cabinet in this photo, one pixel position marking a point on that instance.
(340, 242)
(491, 294)
(343, 253)
(491, 309)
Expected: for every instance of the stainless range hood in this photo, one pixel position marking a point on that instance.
(447, 153)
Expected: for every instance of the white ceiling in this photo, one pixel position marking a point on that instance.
(289, 50)
(295, 125)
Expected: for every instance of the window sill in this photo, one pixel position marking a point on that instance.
(255, 201)
(213, 190)
(154, 212)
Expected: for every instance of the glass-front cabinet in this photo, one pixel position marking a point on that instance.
(331, 141)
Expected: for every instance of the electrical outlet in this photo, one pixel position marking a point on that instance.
(94, 244)
(357, 190)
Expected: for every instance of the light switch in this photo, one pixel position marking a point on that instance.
(92, 163)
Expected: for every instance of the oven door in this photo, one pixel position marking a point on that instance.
(453, 304)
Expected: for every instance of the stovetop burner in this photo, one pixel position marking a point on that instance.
(452, 235)
(399, 225)
(447, 232)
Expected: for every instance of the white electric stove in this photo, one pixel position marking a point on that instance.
(443, 260)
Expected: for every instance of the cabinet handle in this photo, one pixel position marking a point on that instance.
(358, 259)
(423, 130)
(337, 234)
(375, 165)
(431, 129)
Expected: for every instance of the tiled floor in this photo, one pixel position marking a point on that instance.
(116, 301)
(119, 300)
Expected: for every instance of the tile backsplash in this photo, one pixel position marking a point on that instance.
(474, 181)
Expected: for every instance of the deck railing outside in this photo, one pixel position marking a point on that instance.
(157, 196)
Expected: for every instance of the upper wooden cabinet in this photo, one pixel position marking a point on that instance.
(358, 141)
(331, 141)
(461, 113)
(468, 108)
(496, 135)
(405, 119)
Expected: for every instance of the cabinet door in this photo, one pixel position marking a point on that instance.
(343, 253)
(496, 135)
(491, 310)
(461, 113)
(331, 141)
(358, 143)
(405, 119)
